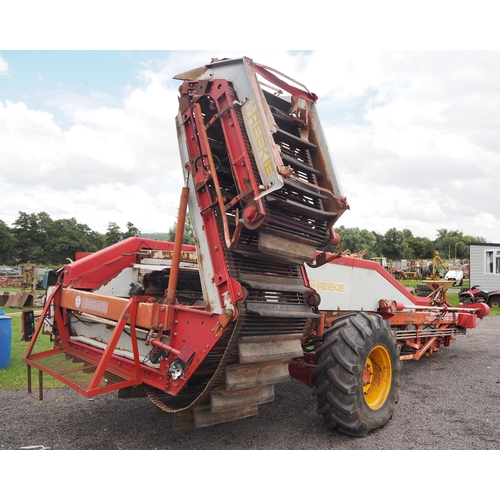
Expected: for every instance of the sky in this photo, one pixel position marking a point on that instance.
(88, 130)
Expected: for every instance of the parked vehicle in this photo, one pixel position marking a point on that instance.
(455, 275)
(9, 272)
(475, 295)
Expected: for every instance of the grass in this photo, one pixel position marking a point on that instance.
(414, 283)
(15, 376)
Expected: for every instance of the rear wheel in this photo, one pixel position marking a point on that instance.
(358, 374)
(423, 290)
(494, 302)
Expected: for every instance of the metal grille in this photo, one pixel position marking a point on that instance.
(77, 370)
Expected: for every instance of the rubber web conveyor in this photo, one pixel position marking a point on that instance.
(267, 255)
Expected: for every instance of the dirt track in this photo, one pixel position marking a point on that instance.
(448, 402)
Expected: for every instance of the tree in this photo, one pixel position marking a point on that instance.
(378, 250)
(31, 233)
(419, 248)
(38, 238)
(7, 245)
(68, 237)
(369, 241)
(113, 234)
(131, 231)
(394, 245)
(355, 240)
(188, 237)
(451, 244)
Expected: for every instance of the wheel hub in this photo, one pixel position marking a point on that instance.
(377, 377)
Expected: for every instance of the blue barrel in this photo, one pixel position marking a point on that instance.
(5, 339)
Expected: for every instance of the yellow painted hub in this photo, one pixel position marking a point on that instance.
(377, 377)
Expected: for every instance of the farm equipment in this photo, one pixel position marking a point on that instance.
(455, 275)
(410, 275)
(475, 295)
(436, 278)
(206, 331)
(439, 267)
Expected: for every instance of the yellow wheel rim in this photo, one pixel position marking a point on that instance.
(377, 377)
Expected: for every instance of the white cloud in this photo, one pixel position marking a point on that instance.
(4, 67)
(414, 136)
(427, 149)
(113, 164)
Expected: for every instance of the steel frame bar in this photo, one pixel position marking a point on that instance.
(420, 350)
(128, 315)
(199, 154)
(48, 303)
(176, 257)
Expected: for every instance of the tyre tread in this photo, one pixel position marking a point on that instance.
(341, 359)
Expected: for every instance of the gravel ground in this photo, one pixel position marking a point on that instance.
(447, 402)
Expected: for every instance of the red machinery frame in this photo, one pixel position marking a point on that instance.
(74, 292)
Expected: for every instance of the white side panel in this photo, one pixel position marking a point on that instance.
(263, 148)
(326, 153)
(210, 293)
(351, 288)
(119, 286)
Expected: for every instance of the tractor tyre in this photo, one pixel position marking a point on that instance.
(358, 374)
(423, 290)
(494, 302)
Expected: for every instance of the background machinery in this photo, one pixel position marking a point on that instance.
(206, 331)
(475, 295)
